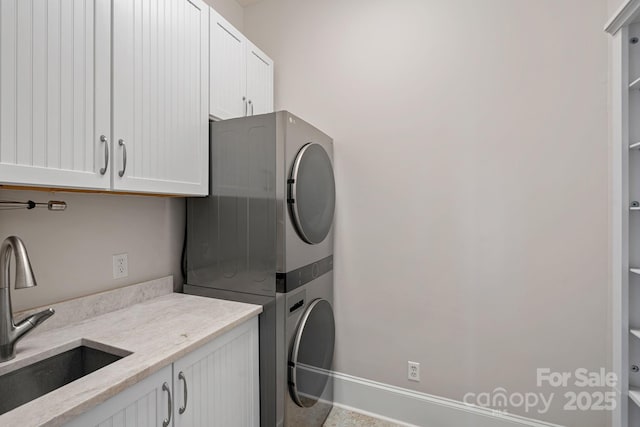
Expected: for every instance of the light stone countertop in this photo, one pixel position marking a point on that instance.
(158, 332)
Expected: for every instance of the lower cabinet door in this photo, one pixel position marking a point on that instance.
(145, 404)
(217, 385)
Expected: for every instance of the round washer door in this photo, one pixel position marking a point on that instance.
(312, 354)
(312, 193)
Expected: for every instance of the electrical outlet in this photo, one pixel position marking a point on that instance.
(120, 266)
(413, 371)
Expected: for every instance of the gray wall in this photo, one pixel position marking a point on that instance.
(71, 251)
(613, 6)
(471, 166)
(230, 10)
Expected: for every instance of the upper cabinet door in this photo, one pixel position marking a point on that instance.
(55, 93)
(160, 96)
(259, 81)
(228, 70)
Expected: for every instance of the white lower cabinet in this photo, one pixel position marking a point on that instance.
(221, 378)
(216, 385)
(145, 404)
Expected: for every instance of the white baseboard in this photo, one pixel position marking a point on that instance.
(411, 408)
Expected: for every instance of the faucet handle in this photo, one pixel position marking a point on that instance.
(27, 325)
(37, 318)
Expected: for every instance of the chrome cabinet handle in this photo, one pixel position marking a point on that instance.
(251, 104)
(124, 157)
(106, 154)
(186, 393)
(244, 99)
(167, 421)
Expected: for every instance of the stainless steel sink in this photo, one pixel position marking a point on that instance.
(28, 383)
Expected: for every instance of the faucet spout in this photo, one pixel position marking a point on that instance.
(24, 273)
(10, 333)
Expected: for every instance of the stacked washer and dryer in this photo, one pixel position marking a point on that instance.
(264, 235)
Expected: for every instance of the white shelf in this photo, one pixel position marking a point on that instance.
(634, 394)
(627, 14)
(635, 84)
(635, 270)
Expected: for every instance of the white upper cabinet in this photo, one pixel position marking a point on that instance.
(241, 81)
(160, 96)
(55, 93)
(227, 69)
(82, 107)
(259, 81)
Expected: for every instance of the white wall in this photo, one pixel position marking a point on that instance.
(71, 251)
(613, 6)
(471, 167)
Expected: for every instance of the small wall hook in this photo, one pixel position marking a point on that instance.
(52, 205)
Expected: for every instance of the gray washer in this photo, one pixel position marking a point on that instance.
(305, 344)
(264, 235)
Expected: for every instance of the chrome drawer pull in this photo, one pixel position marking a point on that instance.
(167, 421)
(124, 157)
(186, 393)
(106, 154)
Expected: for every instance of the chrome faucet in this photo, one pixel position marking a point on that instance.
(10, 333)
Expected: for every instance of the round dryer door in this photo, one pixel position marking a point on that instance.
(312, 354)
(312, 193)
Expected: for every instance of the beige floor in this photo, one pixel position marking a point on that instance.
(342, 418)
